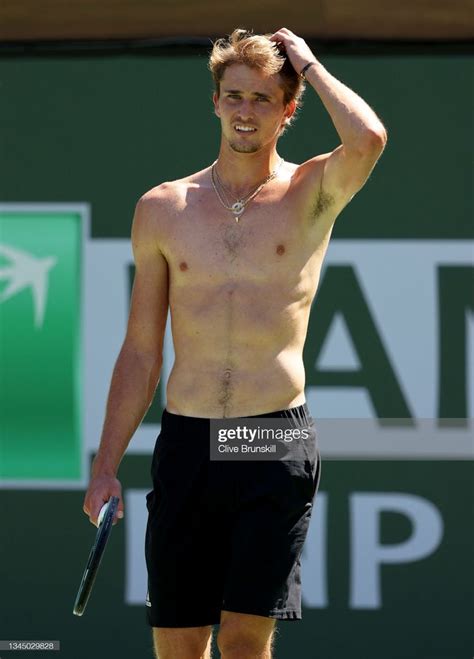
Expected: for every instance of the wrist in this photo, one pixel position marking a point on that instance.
(102, 469)
(305, 69)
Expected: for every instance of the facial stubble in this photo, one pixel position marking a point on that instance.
(244, 148)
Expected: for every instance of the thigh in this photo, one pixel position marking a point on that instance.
(182, 642)
(268, 537)
(186, 540)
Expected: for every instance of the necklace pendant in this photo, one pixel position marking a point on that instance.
(238, 208)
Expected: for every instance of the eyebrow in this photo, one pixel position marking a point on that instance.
(238, 91)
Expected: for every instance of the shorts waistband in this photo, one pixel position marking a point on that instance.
(299, 415)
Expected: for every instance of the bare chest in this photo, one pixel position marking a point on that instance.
(203, 242)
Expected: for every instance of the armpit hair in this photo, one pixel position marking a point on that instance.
(323, 202)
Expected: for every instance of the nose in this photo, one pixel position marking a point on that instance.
(245, 110)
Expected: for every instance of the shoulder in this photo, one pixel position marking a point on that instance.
(311, 171)
(161, 197)
(152, 211)
(156, 209)
(164, 199)
(171, 194)
(306, 174)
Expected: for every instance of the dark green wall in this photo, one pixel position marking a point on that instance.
(106, 129)
(103, 130)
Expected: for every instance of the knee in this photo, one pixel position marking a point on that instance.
(186, 643)
(238, 643)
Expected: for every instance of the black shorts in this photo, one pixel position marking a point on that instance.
(226, 535)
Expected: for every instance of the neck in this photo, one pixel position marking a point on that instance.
(242, 171)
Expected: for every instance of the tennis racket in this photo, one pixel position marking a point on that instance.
(106, 518)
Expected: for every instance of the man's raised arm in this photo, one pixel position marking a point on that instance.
(137, 369)
(362, 134)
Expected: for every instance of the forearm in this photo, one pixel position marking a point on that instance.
(132, 387)
(355, 122)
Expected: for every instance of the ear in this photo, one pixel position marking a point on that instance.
(289, 112)
(290, 109)
(215, 100)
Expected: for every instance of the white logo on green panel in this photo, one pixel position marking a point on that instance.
(26, 271)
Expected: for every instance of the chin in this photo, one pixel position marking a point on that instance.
(244, 148)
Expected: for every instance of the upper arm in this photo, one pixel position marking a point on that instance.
(346, 170)
(149, 300)
(332, 179)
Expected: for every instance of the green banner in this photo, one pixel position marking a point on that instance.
(40, 346)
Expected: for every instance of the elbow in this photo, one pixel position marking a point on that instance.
(150, 361)
(377, 138)
(372, 143)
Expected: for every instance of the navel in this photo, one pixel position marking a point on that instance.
(183, 266)
(280, 250)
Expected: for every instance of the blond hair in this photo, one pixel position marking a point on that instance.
(257, 52)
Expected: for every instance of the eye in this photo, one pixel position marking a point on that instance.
(233, 96)
(262, 99)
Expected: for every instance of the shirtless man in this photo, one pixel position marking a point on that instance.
(235, 252)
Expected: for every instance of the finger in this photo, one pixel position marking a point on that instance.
(280, 44)
(283, 32)
(277, 36)
(94, 517)
(120, 512)
(95, 511)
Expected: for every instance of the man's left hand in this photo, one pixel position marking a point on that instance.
(298, 51)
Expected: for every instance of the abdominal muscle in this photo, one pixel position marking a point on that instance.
(236, 355)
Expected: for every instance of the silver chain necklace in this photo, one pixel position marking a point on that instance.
(227, 193)
(239, 206)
